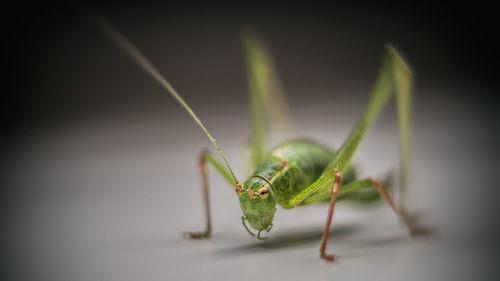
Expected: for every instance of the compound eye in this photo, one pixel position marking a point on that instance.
(263, 192)
(239, 190)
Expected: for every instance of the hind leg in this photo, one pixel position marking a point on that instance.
(362, 184)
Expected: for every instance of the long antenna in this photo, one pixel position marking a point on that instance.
(138, 57)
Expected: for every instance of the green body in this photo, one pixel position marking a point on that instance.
(301, 172)
(287, 170)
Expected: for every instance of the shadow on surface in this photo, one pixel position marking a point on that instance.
(290, 239)
(368, 246)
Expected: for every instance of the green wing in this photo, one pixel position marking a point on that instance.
(267, 101)
(394, 76)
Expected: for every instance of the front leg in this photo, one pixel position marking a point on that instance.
(326, 231)
(308, 192)
(202, 165)
(206, 157)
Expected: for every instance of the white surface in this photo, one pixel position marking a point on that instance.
(109, 201)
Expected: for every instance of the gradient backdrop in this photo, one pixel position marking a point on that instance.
(99, 173)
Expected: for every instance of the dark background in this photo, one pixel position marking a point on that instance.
(447, 43)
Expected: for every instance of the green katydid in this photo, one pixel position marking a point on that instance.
(298, 172)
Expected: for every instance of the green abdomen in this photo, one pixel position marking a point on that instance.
(292, 166)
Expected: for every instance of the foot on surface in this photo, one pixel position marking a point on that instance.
(196, 235)
(417, 229)
(328, 258)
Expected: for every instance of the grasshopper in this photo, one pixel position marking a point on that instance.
(297, 172)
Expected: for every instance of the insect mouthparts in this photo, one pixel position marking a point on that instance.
(245, 225)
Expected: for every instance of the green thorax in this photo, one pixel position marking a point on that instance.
(291, 167)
